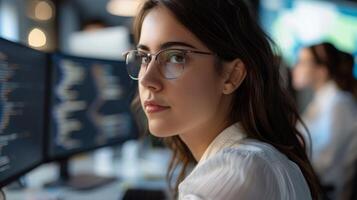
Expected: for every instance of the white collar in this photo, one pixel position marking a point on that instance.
(226, 138)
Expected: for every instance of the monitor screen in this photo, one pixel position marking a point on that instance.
(293, 24)
(22, 93)
(90, 105)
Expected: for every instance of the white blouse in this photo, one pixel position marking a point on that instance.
(234, 167)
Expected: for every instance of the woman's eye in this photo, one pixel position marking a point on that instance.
(177, 59)
(145, 60)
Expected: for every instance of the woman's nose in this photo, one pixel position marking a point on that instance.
(151, 78)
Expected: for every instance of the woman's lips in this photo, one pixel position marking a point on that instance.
(155, 108)
(152, 107)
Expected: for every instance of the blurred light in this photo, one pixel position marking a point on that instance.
(43, 10)
(9, 21)
(127, 8)
(37, 38)
(105, 43)
(273, 5)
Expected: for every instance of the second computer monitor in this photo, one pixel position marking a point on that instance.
(90, 105)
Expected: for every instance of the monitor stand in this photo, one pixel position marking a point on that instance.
(78, 181)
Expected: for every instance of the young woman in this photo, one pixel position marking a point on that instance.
(331, 116)
(208, 84)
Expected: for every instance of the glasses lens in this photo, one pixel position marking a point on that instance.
(172, 63)
(135, 63)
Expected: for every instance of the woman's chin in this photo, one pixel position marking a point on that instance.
(161, 130)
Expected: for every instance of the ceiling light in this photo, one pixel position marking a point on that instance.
(37, 38)
(127, 8)
(43, 10)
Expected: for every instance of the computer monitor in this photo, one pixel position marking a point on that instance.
(22, 98)
(90, 106)
(295, 24)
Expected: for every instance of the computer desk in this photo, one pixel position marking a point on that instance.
(148, 173)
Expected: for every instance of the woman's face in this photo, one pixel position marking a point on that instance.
(305, 71)
(191, 101)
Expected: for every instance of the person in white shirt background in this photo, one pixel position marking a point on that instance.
(331, 117)
(209, 85)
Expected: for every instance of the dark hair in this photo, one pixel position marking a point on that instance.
(338, 64)
(264, 108)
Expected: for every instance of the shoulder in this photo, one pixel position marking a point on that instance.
(250, 148)
(240, 168)
(258, 153)
(343, 110)
(343, 100)
(244, 157)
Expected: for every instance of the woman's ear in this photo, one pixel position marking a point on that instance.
(234, 74)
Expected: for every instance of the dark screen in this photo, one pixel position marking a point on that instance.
(90, 105)
(22, 93)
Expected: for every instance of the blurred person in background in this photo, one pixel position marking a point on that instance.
(331, 116)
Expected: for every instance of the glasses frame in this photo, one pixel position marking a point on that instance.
(154, 57)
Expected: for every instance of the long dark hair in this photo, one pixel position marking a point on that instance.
(264, 108)
(338, 64)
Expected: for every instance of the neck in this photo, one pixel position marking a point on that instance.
(321, 81)
(198, 139)
(319, 84)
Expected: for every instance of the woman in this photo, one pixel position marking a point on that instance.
(331, 116)
(208, 84)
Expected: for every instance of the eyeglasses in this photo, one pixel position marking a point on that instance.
(171, 62)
